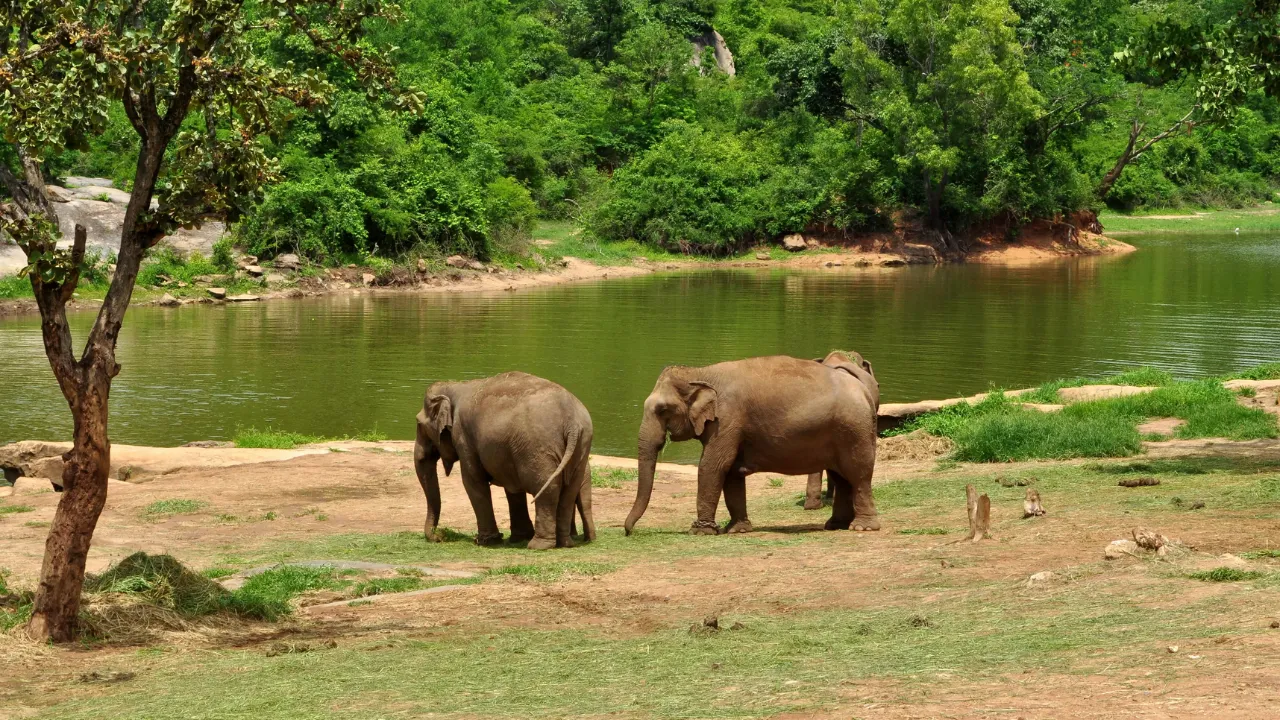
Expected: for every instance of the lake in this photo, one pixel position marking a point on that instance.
(1194, 305)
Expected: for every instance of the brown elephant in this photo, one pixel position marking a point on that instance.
(768, 414)
(857, 366)
(517, 431)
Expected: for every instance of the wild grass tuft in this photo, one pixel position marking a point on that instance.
(1261, 554)
(174, 506)
(612, 477)
(384, 586)
(274, 439)
(924, 531)
(1226, 574)
(267, 595)
(14, 509)
(550, 572)
(998, 429)
(1269, 371)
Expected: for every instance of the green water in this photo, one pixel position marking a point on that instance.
(340, 365)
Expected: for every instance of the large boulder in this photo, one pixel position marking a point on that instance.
(288, 261)
(719, 48)
(456, 261)
(794, 243)
(21, 457)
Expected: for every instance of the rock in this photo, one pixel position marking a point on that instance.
(476, 265)
(1120, 548)
(892, 262)
(1275, 624)
(288, 261)
(367, 278)
(833, 264)
(455, 261)
(1234, 562)
(920, 254)
(5, 490)
(812, 244)
(275, 278)
(20, 456)
(254, 270)
(182, 284)
(75, 181)
(218, 293)
(243, 298)
(422, 265)
(169, 301)
(1172, 649)
(49, 468)
(1040, 578)
(794, 243)
(31, 486)
(719, 49)
(762, 256)
(640, 259)
(1149, 539)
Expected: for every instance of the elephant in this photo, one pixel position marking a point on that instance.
(518, 431)
(766, 414)
(857, 366)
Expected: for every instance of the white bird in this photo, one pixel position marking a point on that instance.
(1237, 231)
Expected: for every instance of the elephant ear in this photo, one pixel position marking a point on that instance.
(439, 412)
(866, 365)
(702, 405)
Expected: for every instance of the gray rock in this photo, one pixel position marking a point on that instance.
(1040, 578)
(21, 456)
(1119, 549)
(762, 256)
(422, 265)
(476, 265)
(288, 261)
(275, 278)
(794, 243)
(720, 49)
(218, 293)
(456, 261)
(169, 301)
(254, 270)
(75, 181)
(367, 278)
(243, 298)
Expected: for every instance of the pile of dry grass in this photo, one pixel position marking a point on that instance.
(913, 447)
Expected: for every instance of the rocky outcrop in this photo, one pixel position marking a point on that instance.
(723, 57)
(794, 242)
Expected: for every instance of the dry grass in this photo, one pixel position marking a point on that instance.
(915, 446)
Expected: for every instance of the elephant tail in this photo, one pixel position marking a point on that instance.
(569, 449)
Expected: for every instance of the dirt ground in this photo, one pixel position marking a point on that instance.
(789, 566)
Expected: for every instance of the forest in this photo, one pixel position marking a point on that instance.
(830, 117)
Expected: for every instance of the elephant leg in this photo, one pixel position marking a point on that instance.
(717, 459)
(571, 489)
(584, 507)
(521, 525)
(865, 516)
(476, 482)
(735, 499)
(831, 492)
(813, 491)
(842, 505)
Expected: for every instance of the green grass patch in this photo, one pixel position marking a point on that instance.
(13, 287)
(175, 506)
(386, 586)
(550, 572)
(267, 595)
(1226, 574)
(1261, 554)
(924, 531)
(998, 429)
(15, 604)
(272, 438)
(612, 477)
(14, 509)
(217, 573)
(1267, 371)
(1139, 377)
(1255, 220)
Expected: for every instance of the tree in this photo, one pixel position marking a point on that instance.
(192, 80)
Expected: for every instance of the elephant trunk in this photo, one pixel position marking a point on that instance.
(652, 437)
(424, 462)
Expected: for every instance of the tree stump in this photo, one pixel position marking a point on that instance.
(979, 514)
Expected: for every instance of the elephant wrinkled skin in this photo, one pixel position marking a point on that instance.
(857, 366)
(768, 414)
(517, 431)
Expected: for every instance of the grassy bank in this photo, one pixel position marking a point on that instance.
(1265, 219)
(275, 439)
(1001, 429)
(616, 627)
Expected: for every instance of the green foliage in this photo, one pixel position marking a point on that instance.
(6, 509)
(998, 429)
(611, 477)
(266, 596)
(1268, 371)
(1226, 574)
(175, 506)
(162, 581)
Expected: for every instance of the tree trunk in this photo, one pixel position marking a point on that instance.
(84, 493)
(1113, 174)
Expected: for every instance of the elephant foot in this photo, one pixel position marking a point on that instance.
(866, 524)
(494, 539)
(433, 536)
(702, 527)
(813, 503)
(539, 543)
(567, 542)
(739, 526)
(834, 523)
(518, 538)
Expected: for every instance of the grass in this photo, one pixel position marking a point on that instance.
(1267, 371)
(612, 477)
(550, 572)
(1226, 574)
(174, 506)
(14, 509)
(998, 429)
(924, 531)
(1140, 377)
(566, 238)
(287, 440)
(1254, 220)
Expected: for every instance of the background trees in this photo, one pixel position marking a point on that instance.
(840, 116)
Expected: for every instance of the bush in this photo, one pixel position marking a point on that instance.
(222, 258)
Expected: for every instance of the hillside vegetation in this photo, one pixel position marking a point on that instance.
(836, 118)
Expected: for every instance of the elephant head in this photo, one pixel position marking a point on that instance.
(434, 442)
(853, 363)
(678, 406)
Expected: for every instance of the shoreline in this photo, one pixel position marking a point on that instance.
(335, 281)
